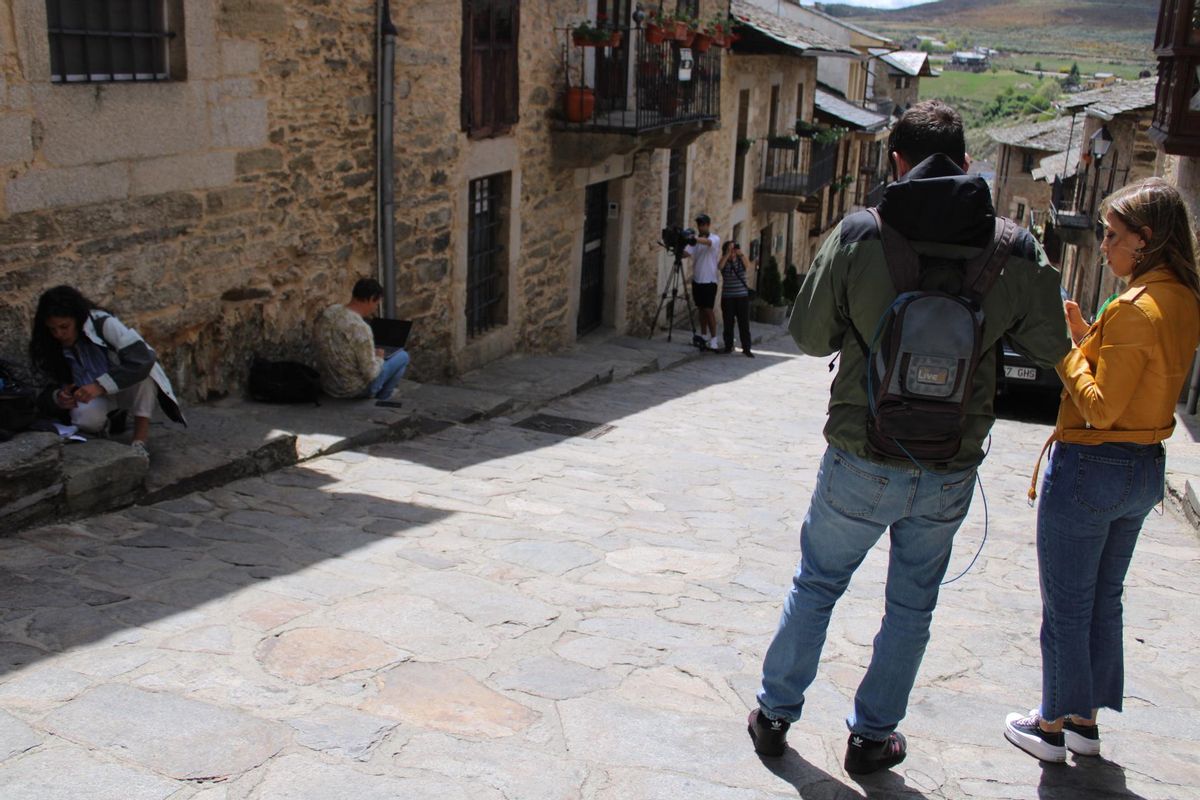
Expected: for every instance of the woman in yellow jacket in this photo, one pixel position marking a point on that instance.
(1106, 471)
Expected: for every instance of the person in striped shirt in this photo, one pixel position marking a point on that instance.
(735, 296)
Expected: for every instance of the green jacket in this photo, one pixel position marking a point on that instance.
(943, 213)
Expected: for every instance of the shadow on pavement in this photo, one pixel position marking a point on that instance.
(1091, 777)
(814, 783)
(66, 586)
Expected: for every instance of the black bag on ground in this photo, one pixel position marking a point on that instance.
(18, 403)
(284, 382)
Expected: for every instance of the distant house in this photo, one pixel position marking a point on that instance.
(969, 61)
(897, 78)
(1017, 192)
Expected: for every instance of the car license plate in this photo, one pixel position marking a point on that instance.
(1021, 373)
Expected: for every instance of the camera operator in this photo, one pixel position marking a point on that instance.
(704, 254)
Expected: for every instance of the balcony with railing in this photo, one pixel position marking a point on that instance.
(635, 92)
(794, 171)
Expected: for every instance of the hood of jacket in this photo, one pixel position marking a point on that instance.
(936, 201)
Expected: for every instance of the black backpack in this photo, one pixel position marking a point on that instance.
(284, 382)
(921, 362)
(18, 402)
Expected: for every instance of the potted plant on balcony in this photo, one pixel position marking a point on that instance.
(744, 144)
(828, 136)
(595, 34)
(784, 141)
(579, 103)
(685, 28)
(656, 27)
(806, 129)
(839, 184)
(717, 29)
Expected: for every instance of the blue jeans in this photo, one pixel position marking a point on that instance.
(1094, 500)
(855, 501)
(389, 375)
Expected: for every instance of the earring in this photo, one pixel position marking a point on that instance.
(1138, 256)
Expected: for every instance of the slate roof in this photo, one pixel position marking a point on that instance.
(855, 115)
(787, 32)
(910, 62)
(1050, 136)
(1110, 101)
(1060, 165)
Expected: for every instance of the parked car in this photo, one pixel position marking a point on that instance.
(1020, 373)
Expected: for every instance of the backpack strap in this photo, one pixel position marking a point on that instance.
(903, 262)
(983, 270)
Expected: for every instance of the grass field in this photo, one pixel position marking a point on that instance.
(975, 87)
(1086, 68)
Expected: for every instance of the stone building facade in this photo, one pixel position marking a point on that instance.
(219, 210)
(216, 211)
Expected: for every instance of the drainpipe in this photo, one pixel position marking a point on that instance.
(385, 189)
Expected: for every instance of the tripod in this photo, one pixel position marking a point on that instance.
(672, 289)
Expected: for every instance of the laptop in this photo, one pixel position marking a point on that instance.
(390, 334)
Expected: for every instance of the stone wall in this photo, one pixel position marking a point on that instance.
(217, 214)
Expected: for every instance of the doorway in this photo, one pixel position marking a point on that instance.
(591, 273)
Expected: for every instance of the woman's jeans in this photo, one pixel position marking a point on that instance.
(1094, 499)
(738, 307)
(854, 502)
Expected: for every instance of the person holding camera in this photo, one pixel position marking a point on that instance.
(735, 296)
(703, 252)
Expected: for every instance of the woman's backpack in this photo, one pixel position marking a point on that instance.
(284, 382)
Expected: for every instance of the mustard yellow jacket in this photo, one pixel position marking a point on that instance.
(1122, 381)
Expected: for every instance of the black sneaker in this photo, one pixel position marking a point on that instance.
(1082, 740)
(864, 756)
(747, 354)
(769, 735)
(1027, 734)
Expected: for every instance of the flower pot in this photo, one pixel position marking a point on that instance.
(679, 31)
(579, 104)
(655, 34)
(688, 37)
(702, 42)
(614, 40)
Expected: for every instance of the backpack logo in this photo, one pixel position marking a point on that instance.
(921, 361)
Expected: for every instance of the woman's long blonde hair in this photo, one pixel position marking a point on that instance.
(1155, 204)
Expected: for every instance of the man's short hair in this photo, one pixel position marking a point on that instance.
(702, 219)
(367, 289)
(928, 128)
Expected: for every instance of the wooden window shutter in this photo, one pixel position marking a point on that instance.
(490, 90)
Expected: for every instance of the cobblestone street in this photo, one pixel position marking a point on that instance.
(495, 612)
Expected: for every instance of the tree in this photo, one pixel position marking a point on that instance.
(1072, 81)
(1037, 65)
(770, 289)
(791, 284)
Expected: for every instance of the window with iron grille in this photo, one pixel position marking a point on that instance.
(103, 41)
(689, 7)
(489, 83)
(486, 254)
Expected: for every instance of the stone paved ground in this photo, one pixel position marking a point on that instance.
(491, 612)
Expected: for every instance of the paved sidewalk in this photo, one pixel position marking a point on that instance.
(1183, 466)
(500, 613)
(41, 479)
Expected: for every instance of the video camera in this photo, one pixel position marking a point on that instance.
(676, 239)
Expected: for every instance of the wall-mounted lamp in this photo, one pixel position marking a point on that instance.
(1100, 142)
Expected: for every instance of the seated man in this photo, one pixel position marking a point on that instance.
(347, 358)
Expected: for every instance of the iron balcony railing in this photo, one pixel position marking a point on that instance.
(796, 167)
(636, 86)
(1067, 209)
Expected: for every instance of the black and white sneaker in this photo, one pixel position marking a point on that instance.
(1025, 732)
(864, 756)
(1082, 740)
(769, 735)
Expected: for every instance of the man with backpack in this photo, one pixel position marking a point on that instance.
(349, 362)
(916, 295)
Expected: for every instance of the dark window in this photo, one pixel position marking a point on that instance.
(486, 254)
(676, 177)
(689, 7)
(799, 101)
(489, 89)
(1027, 162)
(1020, 220)
(94, 41)
(773, 122)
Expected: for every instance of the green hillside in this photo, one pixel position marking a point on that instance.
(1120, 31)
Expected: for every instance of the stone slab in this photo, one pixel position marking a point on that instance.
(15, 736)
(185, 739)
(100, 475)
(62, 773)
(340, 731)
(297, 777)
(30, 479)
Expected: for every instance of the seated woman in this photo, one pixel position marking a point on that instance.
(99, 365)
